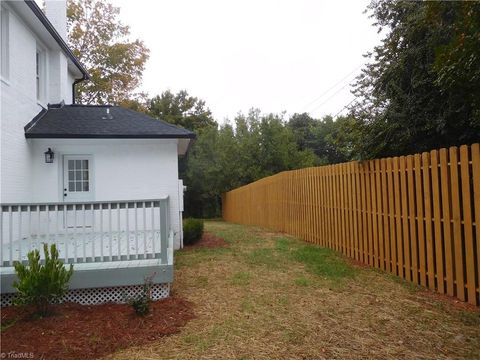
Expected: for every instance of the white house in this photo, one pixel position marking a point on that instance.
(100, 181)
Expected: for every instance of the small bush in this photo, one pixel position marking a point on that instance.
(192, 230)
(41, 284)
(141, 303)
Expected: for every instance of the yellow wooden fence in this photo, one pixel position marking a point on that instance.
(415, 216)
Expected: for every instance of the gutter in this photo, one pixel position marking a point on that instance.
(100, 136)
(34, 120)
(51, 29)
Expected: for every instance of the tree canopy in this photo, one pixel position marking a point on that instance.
(228, 156)
(421, 88)
(101, 43)
(181, 109)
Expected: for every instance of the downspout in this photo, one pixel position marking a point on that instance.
(77, 81)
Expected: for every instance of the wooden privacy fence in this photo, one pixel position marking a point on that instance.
(415, 216)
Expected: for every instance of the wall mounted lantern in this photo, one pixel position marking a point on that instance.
(49, 155)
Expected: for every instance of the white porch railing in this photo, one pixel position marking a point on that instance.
(86, 232)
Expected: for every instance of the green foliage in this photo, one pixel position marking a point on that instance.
(457, 61)
(141, 303)
(192, 230)
(101, 43)
(229, 156)
(181, 109)
(330, 140)
(420, 90)
(41, 284)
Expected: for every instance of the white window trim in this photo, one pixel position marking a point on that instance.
(5, 24)
(41, 94)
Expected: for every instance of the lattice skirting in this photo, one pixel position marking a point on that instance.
(117, 294)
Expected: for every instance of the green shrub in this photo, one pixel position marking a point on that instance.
(141, 303)
(41, 284)
(192, 230)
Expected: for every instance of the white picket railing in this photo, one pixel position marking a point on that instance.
(86, 231)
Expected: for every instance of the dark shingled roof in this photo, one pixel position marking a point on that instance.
(93, 121)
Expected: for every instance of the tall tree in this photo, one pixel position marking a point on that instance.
(181, 109)
(101, 43)
(418, 91)
(457, 62)
(329, 139)
(302, 126)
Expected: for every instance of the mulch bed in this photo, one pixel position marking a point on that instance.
(208, 240)
(87, 332)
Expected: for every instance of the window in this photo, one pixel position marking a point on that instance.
(40, 74)
(78, 176)
(4, 43)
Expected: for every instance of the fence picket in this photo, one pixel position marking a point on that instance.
(447, 225)
(476, 196)
(412, 219)
(437, 222)
(398, 216)
(374, 215)
(386, 232)
(420, 220)
(391, 209)
(467, 225)
(405, 227)
(428, 220)
(457, 225)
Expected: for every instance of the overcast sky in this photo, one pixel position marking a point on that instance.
(274, 55)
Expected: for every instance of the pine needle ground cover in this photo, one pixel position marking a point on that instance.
(270, 296)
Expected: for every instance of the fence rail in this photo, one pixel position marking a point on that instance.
(86, 232)
(415, 216)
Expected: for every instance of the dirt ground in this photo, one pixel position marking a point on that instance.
(269, 296)
(208, 240)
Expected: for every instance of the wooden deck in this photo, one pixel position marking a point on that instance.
(110, 244)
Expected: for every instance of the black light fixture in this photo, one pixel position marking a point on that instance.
(49, 155)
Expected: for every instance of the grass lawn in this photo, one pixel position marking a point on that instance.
(270, 296)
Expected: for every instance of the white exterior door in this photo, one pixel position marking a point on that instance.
(77, 178)
(77, 187)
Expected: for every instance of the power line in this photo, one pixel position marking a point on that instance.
(330, 97)
(344, 107)
(332, 87)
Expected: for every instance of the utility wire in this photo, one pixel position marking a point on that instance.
(332, 87)
(345, 107)
(330, 97)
